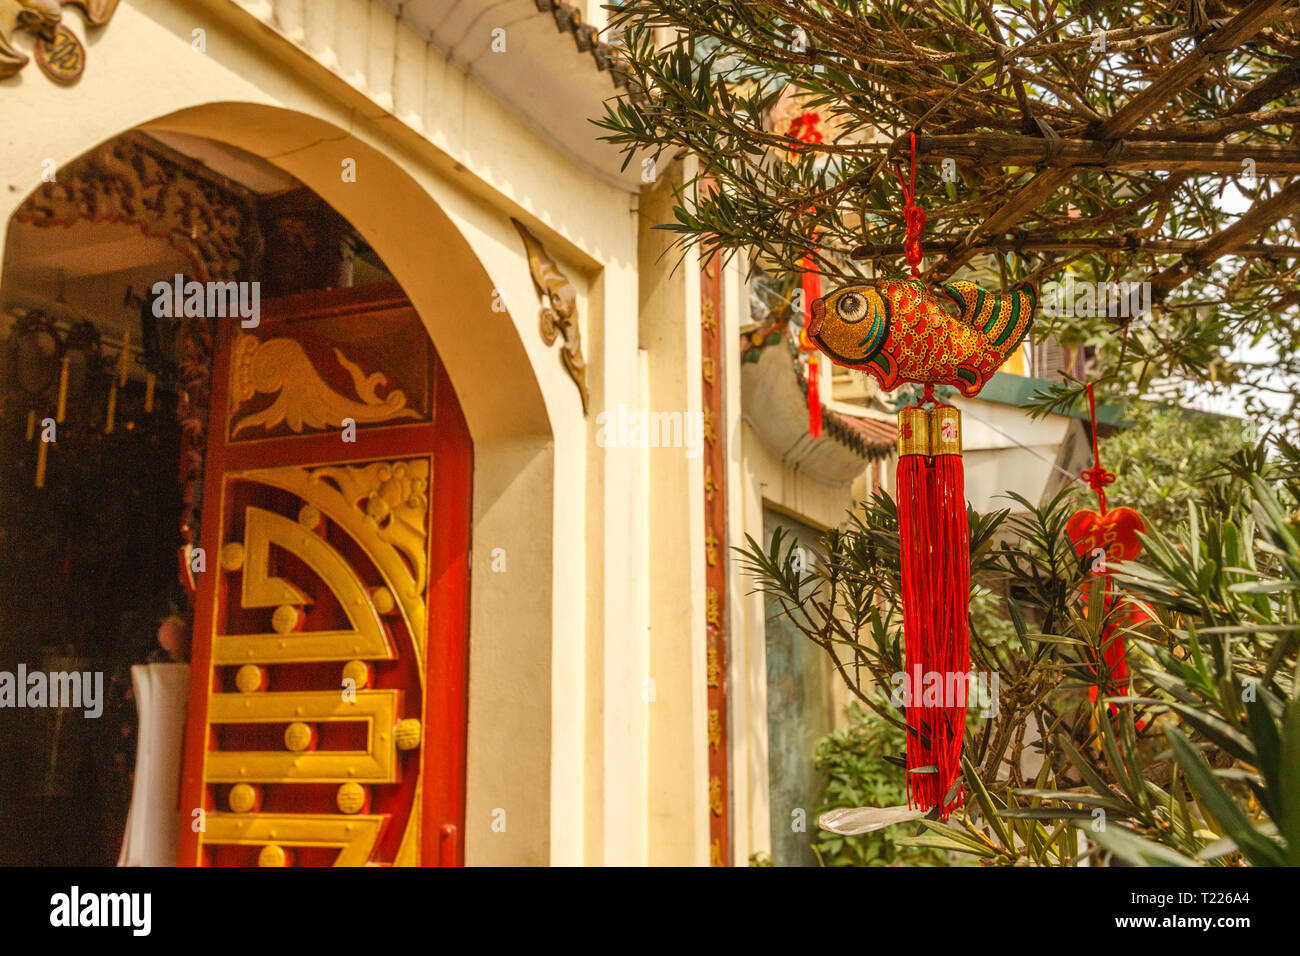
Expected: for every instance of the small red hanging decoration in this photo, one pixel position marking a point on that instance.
(913, 215)
(811, 286)
(806, 128)
(1102, 538)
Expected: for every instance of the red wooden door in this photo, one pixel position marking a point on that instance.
(327, 705)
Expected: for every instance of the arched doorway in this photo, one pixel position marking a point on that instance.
(325, 466)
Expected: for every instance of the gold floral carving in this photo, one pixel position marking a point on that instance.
(280, 366)
(559, 315)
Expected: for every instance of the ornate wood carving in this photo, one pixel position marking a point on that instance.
(136, 181)
(327, 706)
(352, 742)
(559, 315)
(280, 366)
(60, 53)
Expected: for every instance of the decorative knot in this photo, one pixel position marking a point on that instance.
(1097, 477)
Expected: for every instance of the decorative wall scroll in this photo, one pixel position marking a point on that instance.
(715, 568)
(58, 51)
(303, 399)
(136, 181)
(559, 315)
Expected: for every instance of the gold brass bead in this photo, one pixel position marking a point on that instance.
(297, 736)
(242, 798)
(358, 673)
(406, 735)
(309, 516)
(272, 855)
(284, 618)
(232, 556)
(351, 797)
(913, 431)
(945, 431)
(249, 679)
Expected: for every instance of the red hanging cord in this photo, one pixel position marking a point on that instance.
(913, 215)
(1097, 477)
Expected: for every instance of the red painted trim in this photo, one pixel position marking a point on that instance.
(715, 575)
(205, 607)
(326, 447)
(447, 656)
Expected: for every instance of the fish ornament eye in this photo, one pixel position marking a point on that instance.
(852, 307)
(856, 324)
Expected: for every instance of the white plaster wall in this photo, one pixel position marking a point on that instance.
(431, 149)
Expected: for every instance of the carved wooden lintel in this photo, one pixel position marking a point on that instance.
(138, 181)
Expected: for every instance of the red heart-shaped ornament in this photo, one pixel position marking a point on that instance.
(1115, 533)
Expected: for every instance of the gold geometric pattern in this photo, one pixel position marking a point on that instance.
(384, 508)
(262, 529)
(376, 764)
(355, 836)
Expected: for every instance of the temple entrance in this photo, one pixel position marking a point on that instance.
(269, 483)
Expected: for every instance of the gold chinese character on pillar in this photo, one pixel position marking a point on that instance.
(708, 317)
(715, 730)
(715, 796)
(715, 854)
(712, 613)
(711, 549)
(710, 435)
(710, 486)
(715, 669)
(709, 371)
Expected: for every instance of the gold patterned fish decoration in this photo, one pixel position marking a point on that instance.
(900, 331)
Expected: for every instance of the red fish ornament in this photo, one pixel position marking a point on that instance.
(899, 331)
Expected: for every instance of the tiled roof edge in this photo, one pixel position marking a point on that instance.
(568, 19)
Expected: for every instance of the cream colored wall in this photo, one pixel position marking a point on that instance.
(1004, 449)
(670, 338)
(438, 177)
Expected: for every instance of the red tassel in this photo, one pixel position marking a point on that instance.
(935, 552)
(814, 399)
(811, 284)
